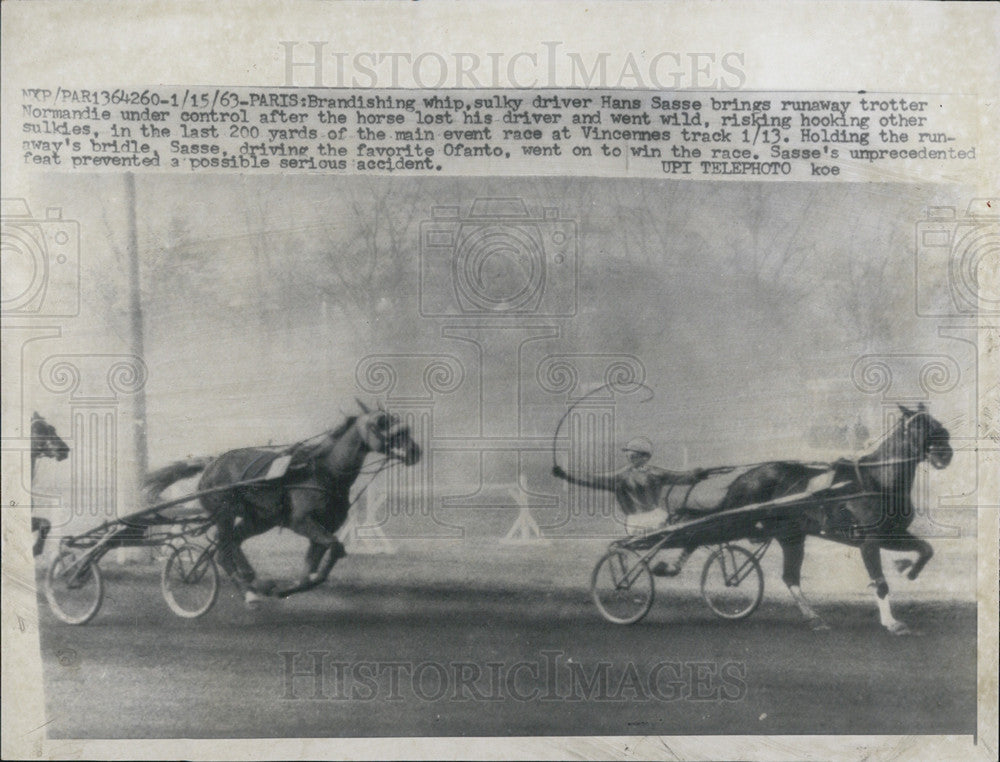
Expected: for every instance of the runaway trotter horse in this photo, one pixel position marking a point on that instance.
(311, 500)
(875, 513)
(45, 443)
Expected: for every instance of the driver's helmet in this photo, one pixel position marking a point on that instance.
(640, 445)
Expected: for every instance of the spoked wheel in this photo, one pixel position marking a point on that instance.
(732, 582)
(190, 581)
(622, 586)
(73, 587)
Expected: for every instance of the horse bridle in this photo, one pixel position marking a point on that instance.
(47, 443)
(388, 461)
(858, 465)
(395, 429)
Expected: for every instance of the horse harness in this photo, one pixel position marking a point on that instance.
(295, 471)
(684, 500)
(301, 468)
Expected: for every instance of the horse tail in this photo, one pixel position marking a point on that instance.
(158, 480)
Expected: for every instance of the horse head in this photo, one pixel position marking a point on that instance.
(386, 433)
(925, 438)
(45, 442)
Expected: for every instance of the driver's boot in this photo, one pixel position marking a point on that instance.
(663, 569)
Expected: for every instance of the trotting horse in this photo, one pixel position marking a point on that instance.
(45, 443)
(875, 512)
(312, 499)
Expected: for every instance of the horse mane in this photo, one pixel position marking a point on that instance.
(42, 432)
(310, 449)
(890, 443)
(887, 444)
(343, 428)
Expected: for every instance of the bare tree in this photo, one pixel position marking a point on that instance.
(369, 257)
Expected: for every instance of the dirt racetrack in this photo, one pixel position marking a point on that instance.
(507, 643)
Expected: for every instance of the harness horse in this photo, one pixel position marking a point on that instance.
(243, 493)
(312, 498)
(869, 507)
(45, 443)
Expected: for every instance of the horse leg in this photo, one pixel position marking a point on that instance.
(224, 524)
(230, 556)
(313, 572)
(871, 554)
(313, 556)
(304, 508)
(320, 560)
(793, 552)
(906, 542)
(251, 525)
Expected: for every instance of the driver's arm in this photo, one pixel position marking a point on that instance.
(607, 482)
(679, 477)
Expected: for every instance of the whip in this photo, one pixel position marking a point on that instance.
(609, 385)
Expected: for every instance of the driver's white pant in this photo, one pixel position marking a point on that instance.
(648, 521)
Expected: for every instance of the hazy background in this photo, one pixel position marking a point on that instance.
(746, 304)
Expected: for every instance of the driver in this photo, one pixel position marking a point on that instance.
(638, 487)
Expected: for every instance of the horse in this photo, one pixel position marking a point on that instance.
(45, 443)
(312, 498)
(873, 513)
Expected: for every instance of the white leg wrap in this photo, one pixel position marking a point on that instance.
(890, 622)
(885, 612)
(802, 603)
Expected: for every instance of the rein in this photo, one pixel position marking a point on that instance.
(855, 462)
(385, 465)
(888, 462)
(858, 465)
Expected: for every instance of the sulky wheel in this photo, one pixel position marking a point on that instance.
(732, 582)
(190, 581)
(73, 587)
(622, 586)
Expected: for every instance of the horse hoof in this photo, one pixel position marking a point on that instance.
(818, 625)
(903, 564)
(252, 600)
(265, 586)
(899, 628)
